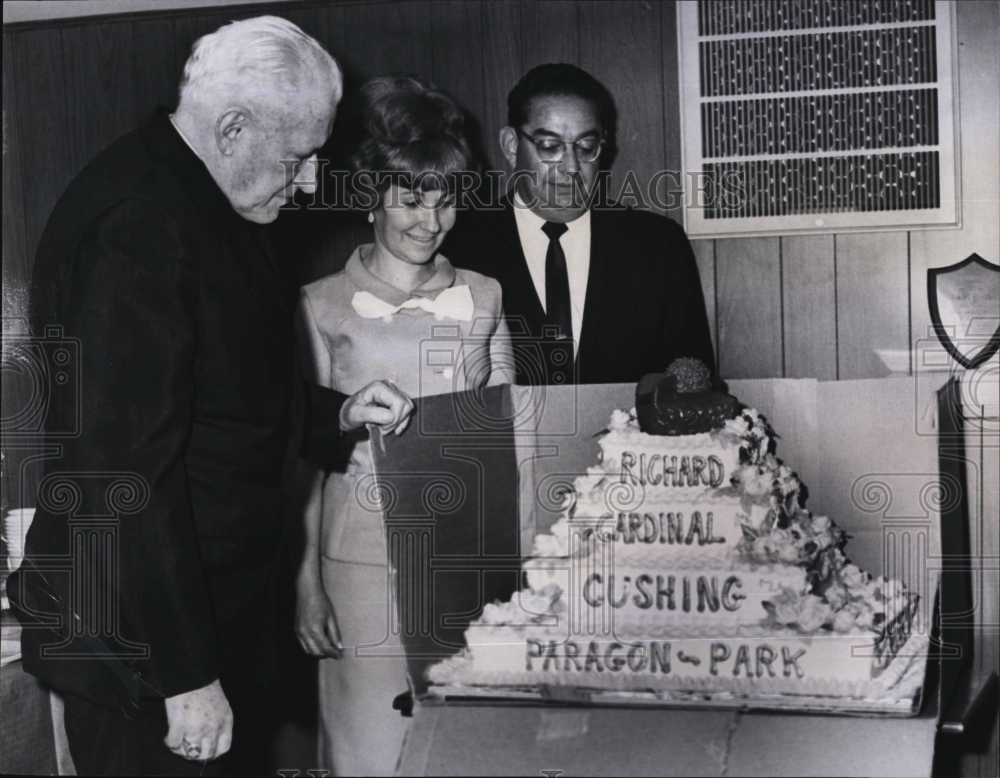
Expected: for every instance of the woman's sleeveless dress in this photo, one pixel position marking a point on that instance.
(351, 339)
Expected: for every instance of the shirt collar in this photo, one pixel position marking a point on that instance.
(184, 137)
(531, 221)
(366, 281)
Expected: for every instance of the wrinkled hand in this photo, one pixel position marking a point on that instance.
(316, 623)
(201, 723)
(378, 403)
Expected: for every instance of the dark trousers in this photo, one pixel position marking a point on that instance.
(113, 741)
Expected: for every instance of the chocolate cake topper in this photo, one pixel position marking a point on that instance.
(685, 400)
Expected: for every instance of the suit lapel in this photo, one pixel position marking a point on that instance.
(601, 258)
(517, 282)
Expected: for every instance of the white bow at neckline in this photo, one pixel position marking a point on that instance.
(455, 302)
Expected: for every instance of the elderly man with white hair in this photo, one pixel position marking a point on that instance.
(156, 262)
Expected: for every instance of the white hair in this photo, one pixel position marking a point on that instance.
(258, 57)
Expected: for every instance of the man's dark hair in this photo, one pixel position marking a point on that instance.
(561, 79)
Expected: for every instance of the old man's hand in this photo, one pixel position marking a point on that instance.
(379, 403)
(200, 723)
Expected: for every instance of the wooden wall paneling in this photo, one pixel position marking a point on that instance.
(335, 25)
(35, 166)
(325, 23)
(704, 254)
(327, 238)
(549, 33)
(872, 304)
(156, 70)
(383, 38)
(190, 27)
(620, 46)
(320, 247)
(457, 31)
(313, 245)
(671, 110)
(809, 306)
(37, 70)
(100, 87)
(16, 264)
(340, 240)
(187, 30)
(313, 20)
(373, 39)
(501, 41)
(15, 389)
(748, 292)
(979, 140)
(319, 243)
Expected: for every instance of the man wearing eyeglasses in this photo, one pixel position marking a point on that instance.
(593, 293)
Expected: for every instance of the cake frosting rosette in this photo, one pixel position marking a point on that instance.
(686, 563)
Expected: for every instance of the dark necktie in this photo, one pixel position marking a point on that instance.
(557, 305)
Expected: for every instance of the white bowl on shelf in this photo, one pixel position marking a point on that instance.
(15, 529)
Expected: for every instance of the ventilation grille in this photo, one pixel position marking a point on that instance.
(733, 18)
(778, 187)
(795, 109)
(806, 125)
(835, 60)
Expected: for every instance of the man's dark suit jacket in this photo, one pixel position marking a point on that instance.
(189, 382)
(644, 306)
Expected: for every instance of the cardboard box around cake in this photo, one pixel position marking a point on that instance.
(853, 443)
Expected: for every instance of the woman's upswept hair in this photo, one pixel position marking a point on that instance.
(405, 125)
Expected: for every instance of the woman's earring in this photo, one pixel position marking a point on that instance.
(371, 218)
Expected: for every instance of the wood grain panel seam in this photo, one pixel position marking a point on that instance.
(663, 97)
(29, 249)
(430, 24)
(65, 113)
(909, 302)
(482, 84)
(781, 300)
(579, 42)
(522, 62)
(12, 134)
(523, 48)
(836, 313)
(715, 293)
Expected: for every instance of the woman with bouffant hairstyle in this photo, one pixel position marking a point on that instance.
(367, 323)
(404, 127)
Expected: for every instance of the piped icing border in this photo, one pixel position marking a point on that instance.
(834, 600)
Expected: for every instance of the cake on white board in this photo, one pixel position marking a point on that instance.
(685, 568)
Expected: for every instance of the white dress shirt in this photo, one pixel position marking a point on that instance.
(184, 137)
(575, 245)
